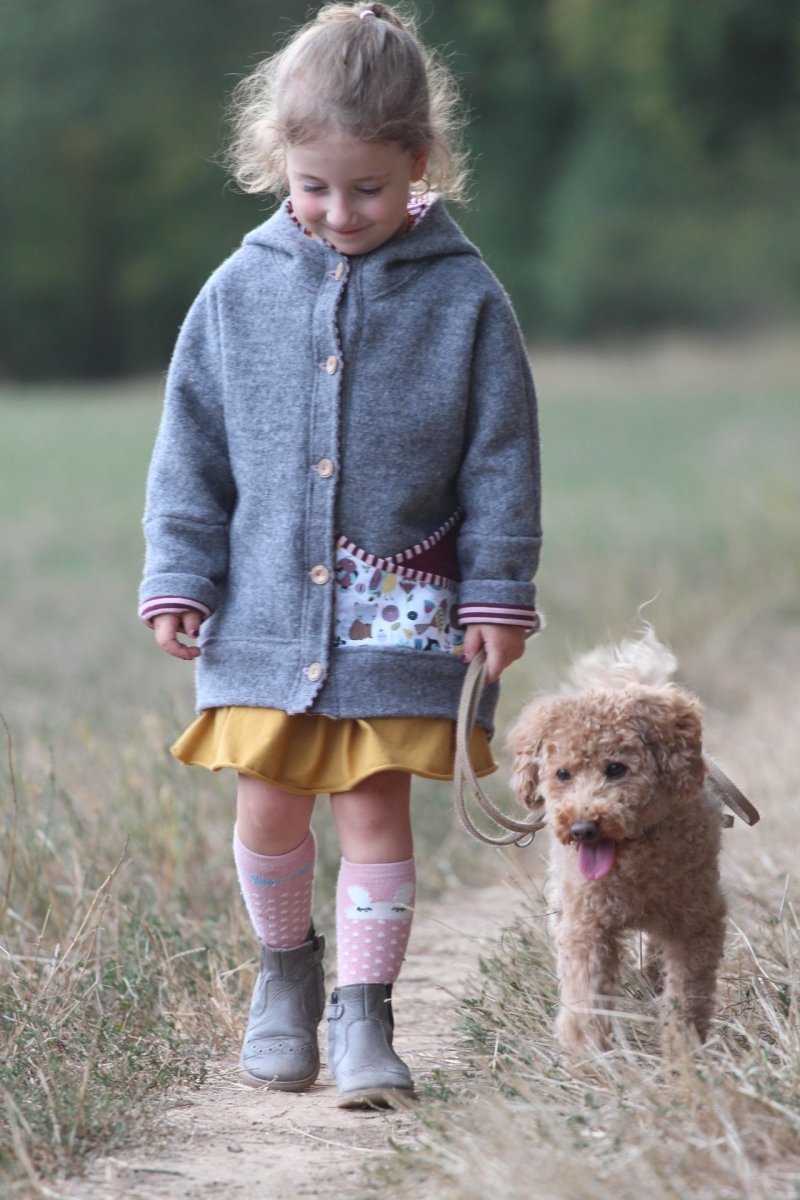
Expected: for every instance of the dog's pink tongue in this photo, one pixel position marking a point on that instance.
(595, 859)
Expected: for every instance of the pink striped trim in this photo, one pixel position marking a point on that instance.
(499, 614)
(169, 604)
(395, 563)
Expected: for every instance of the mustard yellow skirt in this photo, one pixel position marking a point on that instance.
(311, 754)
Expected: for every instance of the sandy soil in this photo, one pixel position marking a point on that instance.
(228, 1141)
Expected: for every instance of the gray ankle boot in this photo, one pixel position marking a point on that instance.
(280, 1048)
(367, 1071)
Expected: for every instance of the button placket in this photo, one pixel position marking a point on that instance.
(318, 605)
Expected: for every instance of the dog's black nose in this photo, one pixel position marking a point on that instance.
(585, 831)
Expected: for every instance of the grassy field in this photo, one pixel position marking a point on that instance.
(671, 481)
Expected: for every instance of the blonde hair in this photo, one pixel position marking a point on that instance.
(359, 70)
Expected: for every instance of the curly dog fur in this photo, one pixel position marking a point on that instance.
(616, 767)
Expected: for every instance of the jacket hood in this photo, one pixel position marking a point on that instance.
(434, 236)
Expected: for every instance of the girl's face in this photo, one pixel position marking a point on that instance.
(353, 194)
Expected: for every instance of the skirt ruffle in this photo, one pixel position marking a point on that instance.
(310, 754)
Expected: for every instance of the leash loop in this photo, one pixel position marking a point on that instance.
(520, 833)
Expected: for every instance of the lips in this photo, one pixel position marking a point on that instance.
(345, 233)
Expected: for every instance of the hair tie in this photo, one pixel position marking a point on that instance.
(367, 12)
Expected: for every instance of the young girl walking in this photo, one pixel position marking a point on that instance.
(343, 504)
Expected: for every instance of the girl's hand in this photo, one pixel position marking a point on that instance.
(167, 626)
(504, 644)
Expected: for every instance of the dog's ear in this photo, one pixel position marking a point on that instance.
(671, 728)
(525, 741)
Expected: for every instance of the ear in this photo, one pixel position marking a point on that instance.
(525, 740)
(419, 165)
(672, 730)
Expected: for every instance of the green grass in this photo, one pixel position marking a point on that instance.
(670, 476)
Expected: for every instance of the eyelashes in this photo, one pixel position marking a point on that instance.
(316, 188)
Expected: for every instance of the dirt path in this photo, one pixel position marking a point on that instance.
(229, 1141)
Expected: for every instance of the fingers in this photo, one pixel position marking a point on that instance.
(473, 640)
(166, 628)
(191, 623)
(504, 644)
(496, 660)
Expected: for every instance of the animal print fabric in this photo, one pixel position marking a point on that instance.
(376, 606)
(278, 891)
(374, 909)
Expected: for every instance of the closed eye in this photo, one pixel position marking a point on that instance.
(615, 770)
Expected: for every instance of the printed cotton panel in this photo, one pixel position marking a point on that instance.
(379, 607)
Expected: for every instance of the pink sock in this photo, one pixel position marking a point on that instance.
(374, 907)
(277, 890)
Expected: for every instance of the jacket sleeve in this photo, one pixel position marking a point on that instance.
(190, 487)
(499, 479)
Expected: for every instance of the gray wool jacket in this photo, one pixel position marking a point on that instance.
(312, 395)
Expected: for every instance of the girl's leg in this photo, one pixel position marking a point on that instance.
(275, 855)
(377, 878)
(374, 906)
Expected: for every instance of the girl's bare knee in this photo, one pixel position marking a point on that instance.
(269, 820)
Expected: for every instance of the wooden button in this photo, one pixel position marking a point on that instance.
(319, 574)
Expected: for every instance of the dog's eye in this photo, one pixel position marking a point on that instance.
(562, 775)
(615, 770)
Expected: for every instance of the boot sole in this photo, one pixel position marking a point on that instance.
(277, 1085)
(386, 1097)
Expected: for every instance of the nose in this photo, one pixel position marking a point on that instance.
(339, 215)
(585, 831)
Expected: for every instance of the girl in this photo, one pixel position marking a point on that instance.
(343, 505)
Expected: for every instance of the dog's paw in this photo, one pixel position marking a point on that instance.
(581, 1030)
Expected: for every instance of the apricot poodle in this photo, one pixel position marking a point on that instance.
(615, 765)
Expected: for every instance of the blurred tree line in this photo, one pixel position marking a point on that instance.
(636, 164)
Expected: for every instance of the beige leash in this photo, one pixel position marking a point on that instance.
(728, 793)
(521, 833)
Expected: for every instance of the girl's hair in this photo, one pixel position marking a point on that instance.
(358, 70)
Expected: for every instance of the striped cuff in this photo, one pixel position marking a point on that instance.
(159, 605)
(500, 614)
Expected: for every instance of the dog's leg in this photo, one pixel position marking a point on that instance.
(588, 970)
(653, 962)
(690, 976)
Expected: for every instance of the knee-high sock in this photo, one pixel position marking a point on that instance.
(278, 890)
(374, 908)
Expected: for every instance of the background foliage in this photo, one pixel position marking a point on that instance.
(636, 164)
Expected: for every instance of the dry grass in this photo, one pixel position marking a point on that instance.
(124, 955)
(669, 475)
(721, 1122)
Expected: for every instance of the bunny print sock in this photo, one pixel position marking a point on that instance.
(374, 907)
(277, 891)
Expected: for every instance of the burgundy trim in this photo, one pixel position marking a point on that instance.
(158, 605)
(433, 560)
(499, 614)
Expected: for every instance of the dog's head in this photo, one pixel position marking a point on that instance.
(608, 764)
